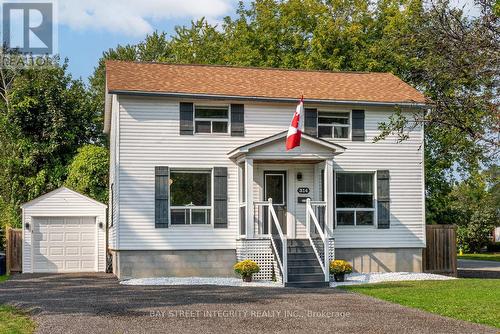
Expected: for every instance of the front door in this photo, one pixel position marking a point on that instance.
(275, 188)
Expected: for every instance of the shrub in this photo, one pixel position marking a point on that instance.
(246, 268)
(340, 267)
(475, 235)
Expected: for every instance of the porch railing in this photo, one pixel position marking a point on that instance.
(279, 244)
(243, 219)
(317, 233)
(261, 221)
(268, 225)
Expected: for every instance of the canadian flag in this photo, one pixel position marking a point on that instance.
(295, 129)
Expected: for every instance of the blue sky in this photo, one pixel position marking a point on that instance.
(86, 28)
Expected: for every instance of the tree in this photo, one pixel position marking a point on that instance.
(45, 116)
(451, 58)
(475, 206)
(88, 172)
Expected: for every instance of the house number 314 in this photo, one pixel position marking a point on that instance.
(303, 190)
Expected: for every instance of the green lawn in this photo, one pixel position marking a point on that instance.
(474, 300)
(484, 257)
(13, 321)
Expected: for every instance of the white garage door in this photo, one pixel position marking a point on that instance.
(64, 244)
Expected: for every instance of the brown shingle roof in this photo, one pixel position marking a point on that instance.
(258, 82)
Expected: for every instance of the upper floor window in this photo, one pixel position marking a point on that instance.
(334, 124)
(355, 199)
(190, 197)
(211, 119)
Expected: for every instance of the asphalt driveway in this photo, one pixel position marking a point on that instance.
(98, 304)
(478, 269)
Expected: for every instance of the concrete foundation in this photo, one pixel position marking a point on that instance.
(219, 263)
(366, 260)
(179, 263)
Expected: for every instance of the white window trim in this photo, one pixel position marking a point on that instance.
(211, 206)
(375, 202)
(211, 120)
(349, 126)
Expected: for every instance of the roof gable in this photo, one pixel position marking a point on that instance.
(274, 146)
(60, 191)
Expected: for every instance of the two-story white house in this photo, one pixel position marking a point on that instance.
(200, 177)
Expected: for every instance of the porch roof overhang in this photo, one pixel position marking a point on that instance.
(273, 148)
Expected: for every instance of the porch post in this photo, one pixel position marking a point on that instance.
(249, 198)
(329, 194)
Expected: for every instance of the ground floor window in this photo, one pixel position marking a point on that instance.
(190, 197)
(355, 199)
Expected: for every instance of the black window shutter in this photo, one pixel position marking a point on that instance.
(220, 197)
(358, 125)
(237, 120)
(311, 122)
(186, 118)
(383, 199)
(161, 197)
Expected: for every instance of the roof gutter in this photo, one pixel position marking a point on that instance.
(265, 99)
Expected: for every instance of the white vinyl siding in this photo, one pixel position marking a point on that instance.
(149, 137)
(405, 164)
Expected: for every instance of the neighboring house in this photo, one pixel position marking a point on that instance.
(197, 151)
(496, 234)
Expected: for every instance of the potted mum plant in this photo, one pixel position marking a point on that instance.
(246, 269)
(338, 268)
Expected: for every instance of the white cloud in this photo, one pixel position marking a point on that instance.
(134, 17)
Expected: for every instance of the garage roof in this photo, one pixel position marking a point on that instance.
(57, 191)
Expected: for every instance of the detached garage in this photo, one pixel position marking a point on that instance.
(64, 232)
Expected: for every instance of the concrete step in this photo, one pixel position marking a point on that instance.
(305, 270)
(300, 249)
(312, 262)
(298, 242)
(311, 277)
(309, 284)
(302, 256)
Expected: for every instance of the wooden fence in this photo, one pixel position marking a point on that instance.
(440, 255)
(14, 238)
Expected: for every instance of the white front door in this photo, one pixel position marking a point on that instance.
(64, 244)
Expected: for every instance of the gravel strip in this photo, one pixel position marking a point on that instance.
(351, 279)
(355, 278)
(221, 281)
